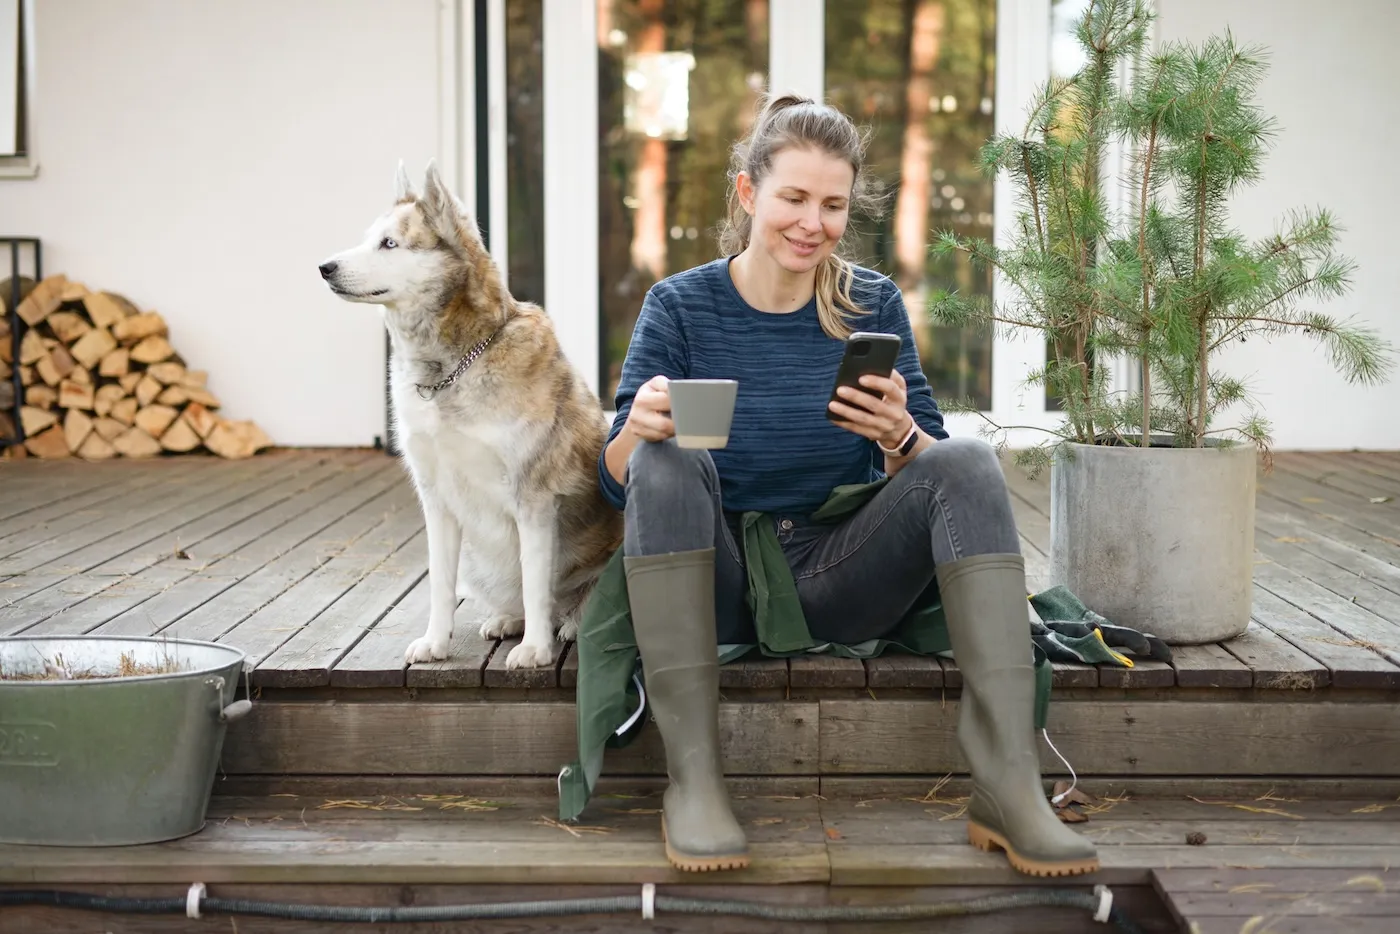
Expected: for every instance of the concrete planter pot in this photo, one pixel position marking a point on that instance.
(1161, 540)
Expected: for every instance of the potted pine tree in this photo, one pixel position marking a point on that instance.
(1152, 502)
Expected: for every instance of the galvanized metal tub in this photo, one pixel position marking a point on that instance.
(105, 758)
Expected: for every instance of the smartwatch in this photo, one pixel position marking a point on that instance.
(904, 447)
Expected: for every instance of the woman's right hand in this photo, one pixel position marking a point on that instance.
(650, 416)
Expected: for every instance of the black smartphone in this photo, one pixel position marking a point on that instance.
(866, 352)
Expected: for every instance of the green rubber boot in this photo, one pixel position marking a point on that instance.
(984, 599)
(672, 598)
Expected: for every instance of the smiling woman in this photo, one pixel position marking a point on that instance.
(917, 510)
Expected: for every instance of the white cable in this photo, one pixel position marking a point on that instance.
(649, 901)
(1073, 779)
(192, 900)
(641, 705)
(1105, 903)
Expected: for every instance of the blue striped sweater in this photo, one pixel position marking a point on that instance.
(784, 456)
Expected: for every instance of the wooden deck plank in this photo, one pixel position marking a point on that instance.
(1368, 525)
(387, 530)
(1276, 663)
(306, 659)
(1352, 665)
(27, 496)
(1314, 900)
(825, 671)
(172, 586)
(1308, 539)
(1345, 583)
(238, 585)
(897, 670)
(497, 675)
(77, 603)
(1340, 474)
(465, 665)
(85, 527)
(73, 569)
(69, 514)
(755, 671)
(506, 738)
(1350, 620)
(1318, 879)
(1145, 673)
(1127, 738)
(377, 660)
(1209, 666)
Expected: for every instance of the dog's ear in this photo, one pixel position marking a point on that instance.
(403, 188)
(440, 208)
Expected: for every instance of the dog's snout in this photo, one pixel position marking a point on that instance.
(328, 269)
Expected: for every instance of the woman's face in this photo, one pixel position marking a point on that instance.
(801, 207)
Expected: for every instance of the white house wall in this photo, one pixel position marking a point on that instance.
(202, 158)
(1332, 87)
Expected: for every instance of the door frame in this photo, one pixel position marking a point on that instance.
(472, 144)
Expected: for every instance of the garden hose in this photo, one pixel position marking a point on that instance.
(196, 904)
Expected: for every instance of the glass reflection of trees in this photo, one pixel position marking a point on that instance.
(921, 74)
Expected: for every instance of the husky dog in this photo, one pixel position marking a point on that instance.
(501, 434)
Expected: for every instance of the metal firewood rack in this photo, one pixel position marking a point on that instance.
(17, 325)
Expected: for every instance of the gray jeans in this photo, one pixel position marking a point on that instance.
(855, 578)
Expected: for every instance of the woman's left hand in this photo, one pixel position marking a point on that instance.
(886, 420)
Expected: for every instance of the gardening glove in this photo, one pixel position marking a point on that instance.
(1076, 628)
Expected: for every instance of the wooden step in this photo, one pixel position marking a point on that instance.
(1132, 735)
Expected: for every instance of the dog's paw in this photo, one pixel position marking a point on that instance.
(529, 655)
(501, 626)
(426, 649)
(568, 630)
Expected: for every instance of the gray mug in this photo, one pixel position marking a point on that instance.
(702, 410)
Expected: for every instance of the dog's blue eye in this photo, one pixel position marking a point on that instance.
(388, 243)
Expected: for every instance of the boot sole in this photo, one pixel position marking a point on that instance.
(702, 863)
(989, 840)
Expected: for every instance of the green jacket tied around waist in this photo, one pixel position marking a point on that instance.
(610, 692)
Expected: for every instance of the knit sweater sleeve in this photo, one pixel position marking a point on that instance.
(657, 348)
(894, 319)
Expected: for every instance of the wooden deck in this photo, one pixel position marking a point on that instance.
(1282, 747)
(314, 563)
(1303, 865)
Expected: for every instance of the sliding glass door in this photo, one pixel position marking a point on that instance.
(612, 122)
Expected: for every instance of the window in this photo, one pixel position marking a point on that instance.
(922, 75)
(13, 123)
(678, 82)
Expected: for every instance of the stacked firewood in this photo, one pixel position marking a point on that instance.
(101, 379)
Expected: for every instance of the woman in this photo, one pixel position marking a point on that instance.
(773, 314)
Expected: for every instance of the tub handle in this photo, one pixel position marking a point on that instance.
(235, 711)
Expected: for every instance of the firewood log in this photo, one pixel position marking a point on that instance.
(35, 420)
(167, 374)
(135, 442)
(152, 350)
(76, 428)
(139, 327)
(104, 309)
(115, 364)
(68, 326)
(93, 346)
(155, 419)
(97, 448)
(74, 395)
(236, 439)
(109, 428)
(180, 437)
(48, 444)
